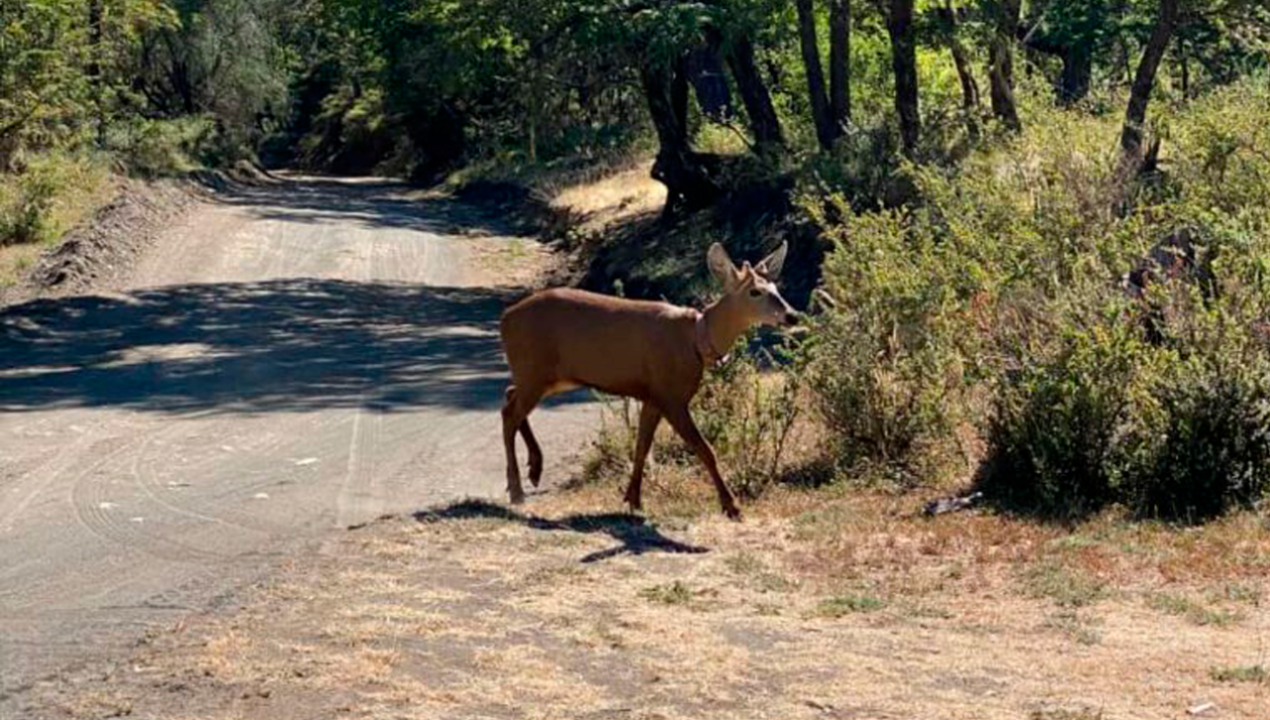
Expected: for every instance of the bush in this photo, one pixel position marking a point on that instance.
(1174, 433)
(164, 148)
(1062, 433)
(1210, 450)
(26, 204)
(886, 372)
(53, 193)
(748, 416)
(992, 305)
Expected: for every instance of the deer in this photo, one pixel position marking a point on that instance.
(653, 352)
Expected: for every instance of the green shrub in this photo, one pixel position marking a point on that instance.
(748, 416)
(162, 148)
(886, 371)
(1211, 448)
(1173, 423)
(25, 207)
(992, 305)
(52, 193)
(1061, 436)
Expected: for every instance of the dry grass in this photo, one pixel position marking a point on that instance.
(612, 198)
(819, 605)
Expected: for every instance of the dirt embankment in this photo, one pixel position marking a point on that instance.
(609, 221)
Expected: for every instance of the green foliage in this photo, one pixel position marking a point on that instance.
(1240, 673)
(992, 305)
(39, 87)
(1209, 449)
(1067, 588)
(886, 373)
(1062, 432)
(674, 593)
(50, 195)
(164, 148)
(25, 207)
(841, 606)
(748, 415)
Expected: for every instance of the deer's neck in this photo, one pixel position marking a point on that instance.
(724, 325)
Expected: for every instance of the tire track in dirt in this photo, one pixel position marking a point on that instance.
(96, 511)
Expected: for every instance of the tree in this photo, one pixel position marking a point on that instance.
(840, 63)
(948, 27)
(807, 41)
(1074, 32)
(1001, 63)
(1144, 80)
(96, 36)
(683, 172)
(899, 25)
(754, 94)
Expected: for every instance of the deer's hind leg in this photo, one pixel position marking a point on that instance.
(535, 452)
(521, 399)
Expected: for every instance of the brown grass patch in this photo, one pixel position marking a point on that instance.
(821, 604)
(611, 198)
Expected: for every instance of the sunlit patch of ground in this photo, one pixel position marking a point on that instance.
(612, 198)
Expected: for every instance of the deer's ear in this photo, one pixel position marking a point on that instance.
(771, 265)
(721, 266)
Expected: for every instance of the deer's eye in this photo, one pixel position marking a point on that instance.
(756, 293)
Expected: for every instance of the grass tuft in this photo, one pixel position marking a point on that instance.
(842, 605)
(674, 593)
(1193, 611)
(1066, 587)
(1240, 674)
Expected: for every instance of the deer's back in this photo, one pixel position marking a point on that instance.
(628, 347)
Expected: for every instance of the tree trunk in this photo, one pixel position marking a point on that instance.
(96, 34)
(1001, 68)
(688, 185)
(758, 102)
(1078, 71)
(840, 63)
(815, 75)
(1144, 79)
(961, 61)
(705, 69)
(969, 87)
(899, 25)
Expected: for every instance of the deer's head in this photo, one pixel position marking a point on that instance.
(750, 292)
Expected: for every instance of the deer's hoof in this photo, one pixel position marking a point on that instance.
(733, 513)
(516, 497)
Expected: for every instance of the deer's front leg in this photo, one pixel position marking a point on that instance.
(649, 419)
(681, 420)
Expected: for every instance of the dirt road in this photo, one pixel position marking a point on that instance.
(288, 360)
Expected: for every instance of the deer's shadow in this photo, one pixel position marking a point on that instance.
(634, 534)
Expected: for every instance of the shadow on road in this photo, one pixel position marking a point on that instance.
(372, 203)
(635, 536)
(284, 345)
